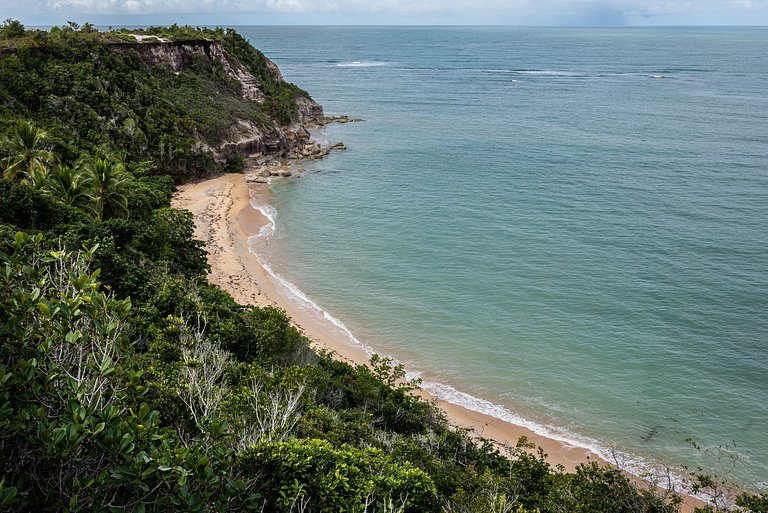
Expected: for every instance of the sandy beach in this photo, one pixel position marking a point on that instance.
(225, 220)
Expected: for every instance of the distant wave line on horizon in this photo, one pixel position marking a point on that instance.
(530, 72)
(564, 74)
(361, 64)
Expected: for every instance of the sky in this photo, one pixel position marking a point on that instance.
(388, 12)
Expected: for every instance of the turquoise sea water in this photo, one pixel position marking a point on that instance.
(564, 226)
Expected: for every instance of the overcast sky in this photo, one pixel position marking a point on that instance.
(389, 12)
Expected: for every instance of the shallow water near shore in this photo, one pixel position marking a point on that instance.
(568, 224)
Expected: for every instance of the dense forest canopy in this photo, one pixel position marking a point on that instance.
(129, 383)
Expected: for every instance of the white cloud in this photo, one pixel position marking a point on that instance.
(420, 11)
(285, 5)
(750, 3)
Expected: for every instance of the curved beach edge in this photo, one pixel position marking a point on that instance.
(225, 220)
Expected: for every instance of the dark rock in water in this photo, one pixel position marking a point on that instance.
(327, 120)
(651, 433)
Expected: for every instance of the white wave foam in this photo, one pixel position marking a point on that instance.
(628, 462)
(317, 135)
(270, 213)
(549, 73)
(310, 305)
(361, 64)
(470, 402)
(297, 294)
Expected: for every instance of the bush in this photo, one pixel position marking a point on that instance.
(28, 209)
(314, 475)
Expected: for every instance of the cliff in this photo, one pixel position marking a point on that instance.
(245, 137)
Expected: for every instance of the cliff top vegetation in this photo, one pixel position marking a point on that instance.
(168, 112)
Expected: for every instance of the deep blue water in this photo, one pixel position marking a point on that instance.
(568, 224)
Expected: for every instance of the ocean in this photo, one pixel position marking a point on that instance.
(563, 227)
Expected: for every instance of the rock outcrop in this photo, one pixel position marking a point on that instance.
(309, 110)
(261, 169)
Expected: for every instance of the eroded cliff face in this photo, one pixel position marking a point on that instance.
(249, 138)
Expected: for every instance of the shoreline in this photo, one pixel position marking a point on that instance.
(225, 219)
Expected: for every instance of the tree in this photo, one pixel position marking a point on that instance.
(110, 182)
(62, 383)
(75, 434)
(70, 184)
(27, 153)
(11, 29)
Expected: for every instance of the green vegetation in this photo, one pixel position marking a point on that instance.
(27, 154)
(92, 92)
(129, 383)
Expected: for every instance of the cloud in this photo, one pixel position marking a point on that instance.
(285, 5)
(514, 12)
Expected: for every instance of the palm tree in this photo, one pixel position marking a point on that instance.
(37, 177)
(27, 154)
(109, 183)
(71, 185)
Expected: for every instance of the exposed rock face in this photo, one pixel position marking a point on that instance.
(172, 53)
(264, 173)
(246, 137)
(309, 110)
